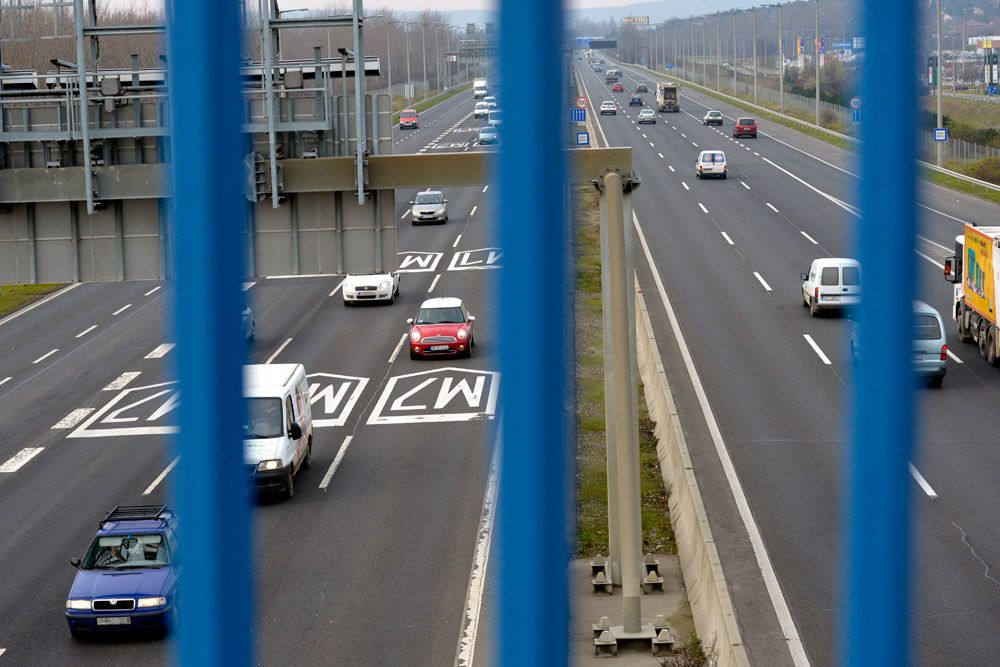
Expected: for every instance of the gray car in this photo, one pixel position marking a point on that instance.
(429, 206)
(930, 347)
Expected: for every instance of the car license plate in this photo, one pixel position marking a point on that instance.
(831, 298)
(438, 348)
(114, 620)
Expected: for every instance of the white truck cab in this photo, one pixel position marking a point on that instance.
(279, 431)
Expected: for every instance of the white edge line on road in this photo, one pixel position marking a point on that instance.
(809, 237)
(485, 188)
(434, 283)
(155, 289)
(822, 357)
(40, 302)
(161, 476)
(121, 381)
(685, 185)
(670, 167)
(743, 183)
(473, 211)
(761, 280)
(122, 309)
(922, 482)
(337, 288)
(661, 156)
(703, 209)
(15, 462)
(278, 351)
(950, 354)
(405, 214)
(86, 331)
(73, 418)
(652, 145)
(457, 239)
(6, 379)
(336, 462)
(778, 601)
(248, 285)
(398, 349)
(45, 356)
(160, 351)
(480, 562)
(728, 240)
(771, 206)
(931, 260)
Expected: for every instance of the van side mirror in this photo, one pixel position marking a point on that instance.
(295, 431)
(804, 277)
(75, 562)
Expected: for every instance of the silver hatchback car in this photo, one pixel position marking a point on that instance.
(930, 347)
(429, 206)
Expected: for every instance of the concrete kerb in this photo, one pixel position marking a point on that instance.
(708, 594)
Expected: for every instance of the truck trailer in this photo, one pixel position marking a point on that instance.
(668, 95)
(974, 270)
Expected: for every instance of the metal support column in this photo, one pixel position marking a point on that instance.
(74, 235)
(610, 415)
(359, 97)
(293, 214)
(267, 35)
(781, 66)
(817, 62)
(32, 248)
(120, 236)
(81, 67)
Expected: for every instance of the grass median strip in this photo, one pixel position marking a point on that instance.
(591, 459)
(399, 104)
(14, 297)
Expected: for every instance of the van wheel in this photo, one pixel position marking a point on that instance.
(289, 484)
(805, 302)
(937, 381)
(813, 310)
(307, 461)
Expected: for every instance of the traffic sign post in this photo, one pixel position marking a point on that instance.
(855, 102)
(856, 115)
(581, 103)
(940, 134)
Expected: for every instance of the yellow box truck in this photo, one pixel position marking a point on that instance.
(974, 269)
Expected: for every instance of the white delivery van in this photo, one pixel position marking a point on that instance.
(278, 435)
(479, 88)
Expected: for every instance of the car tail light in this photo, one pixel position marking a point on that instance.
(947, 267)
(816, 294)
(944, 353)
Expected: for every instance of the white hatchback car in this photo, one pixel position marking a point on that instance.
(608, 107)
(711, 163)
(832, 283)
(647, 116)
(481, 110)
(360, 287)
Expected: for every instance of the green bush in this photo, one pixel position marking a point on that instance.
(987, 169)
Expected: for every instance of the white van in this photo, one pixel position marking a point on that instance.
(278, 433)
(832, 283)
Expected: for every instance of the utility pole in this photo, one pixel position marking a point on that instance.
(937, 82)
(781, 67)
(437, 56)
(423, 43)
(718, 56)
(409, 82)
(733, 64)
(755, 55)
(704, 54)
(388, 53)
(817, 62)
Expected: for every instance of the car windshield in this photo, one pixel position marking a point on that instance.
(714, 114)
(452, 315)
(927, 328)
(120, 552)
(429, 198)
(488, 130)
(409, 113)
(263, 418)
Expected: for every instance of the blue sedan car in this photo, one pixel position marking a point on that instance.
(127, 579)
(488, 135)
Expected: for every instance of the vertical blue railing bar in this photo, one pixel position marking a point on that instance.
(877, 522)
(532, 221)
(208, 219)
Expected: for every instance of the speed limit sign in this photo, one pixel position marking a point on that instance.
(581, 103)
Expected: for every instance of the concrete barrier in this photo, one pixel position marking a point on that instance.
(711, 605)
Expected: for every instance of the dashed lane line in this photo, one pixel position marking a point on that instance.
(122, 381)
(248, 285)
(703, 209)
(122, 309)
(728, 240)
(825, 359)
(16, 462)
(163, 475)
(924, 486)
(278, 351)
(950, 354)
(337, 288)
(6, 380)
(457, 239)
(155, 289)
(811, 239)
(336, 462)
(474, 209)
(405, 214)
(771, 206)
(743, 183)
(685, 185)
(73, 418)
(434, 283)
(86, 331)
(45, 356)
(160, 351)
(761, 280)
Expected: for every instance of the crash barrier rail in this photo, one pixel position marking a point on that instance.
(704, 579)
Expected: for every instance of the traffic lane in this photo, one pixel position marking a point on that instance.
(435, 118)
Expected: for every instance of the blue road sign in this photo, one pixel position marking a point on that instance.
(856, 115)
(940, 134)
(578, 115)
(583, 138)
(670, 65)
(992, 90)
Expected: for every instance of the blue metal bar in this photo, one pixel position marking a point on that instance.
(532, 512)
(208, 209)
(877, 522)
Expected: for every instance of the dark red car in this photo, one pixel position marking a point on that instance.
(408, 119)
(745, 127)
(443, 327)
(618, 88)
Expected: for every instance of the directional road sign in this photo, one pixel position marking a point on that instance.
(578, 115)
(992, 90)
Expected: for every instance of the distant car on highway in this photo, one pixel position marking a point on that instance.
(617, 88)
(360, 287)
(647, 116)
(711, 163)
(429, 206)
(126, 580)
(488, 135)
(745, 127)
(930, 347)
(712, 118)
(641, 88)
(609, 107)
(443, 326)
(831, 284)
(491, 100)
(635, 101)
(494, 119)
(482, 108)
(408, 119)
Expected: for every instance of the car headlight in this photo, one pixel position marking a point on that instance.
(463, 334)
(151, 602)
(269, 464)
(415, 336)
(384, 284)
(440, 211)
(78, 605)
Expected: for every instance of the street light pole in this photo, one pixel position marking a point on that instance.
(704, 54)
(781, 67)
(409, 81)
(437, 56)
(388, 52)
(817, 62)
(755, 55)
(940, 119)
(733, 64)
(423, 44)
(718, 56)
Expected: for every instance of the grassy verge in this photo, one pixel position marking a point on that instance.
(398, 104)
(13, 297)
(960, 185)
(591, 460)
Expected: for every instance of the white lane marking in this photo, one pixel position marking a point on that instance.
(808, 237)
(15, 462)
(457, 239)
(643, 134)
(289, 276)
(761, 280)
(661, 156)
(122, 309)
(684, 135)
(2, 651)
(248, 285)
(278, 351)
(434, 283)
(778, 601)
(743, 183)
(397, 350)
(951, 354)
(728, 240)
(685, 185)
(337, 288)
(756, 153)
(825, 359)
(6, 380)
(671, 168)
(922, 482)
(86, 331)
(485, 188)
(704, 210)
(73, 418)
(152, 290)
(160, 351)
(40, 302)
(931, 260)
(161, 476)
(406, 213)
(473, 211)
(770, 206)
(45, 356)
(122, 381)
(336, 462)
(694, 144)
(847, 207)
(652, 145)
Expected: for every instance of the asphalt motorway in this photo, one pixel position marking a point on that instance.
(370, 561)
(729, 254)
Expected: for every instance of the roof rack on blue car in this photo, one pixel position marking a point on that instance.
(136, 512)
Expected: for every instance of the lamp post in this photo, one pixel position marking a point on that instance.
(817, 62)
(409, 81)
(734, 53)
(423, 45)
(937, 66)
(704, 54)
(781, 67)
(755, 55)
(388, 52)
(718, 55)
